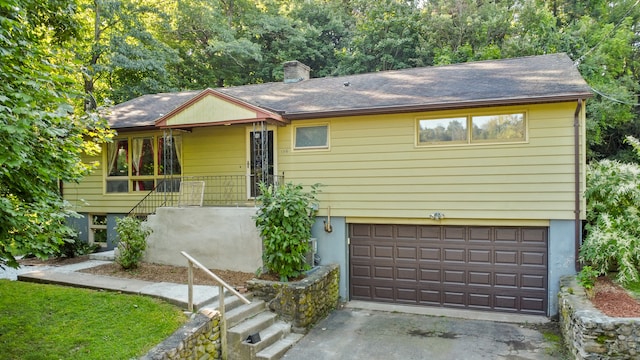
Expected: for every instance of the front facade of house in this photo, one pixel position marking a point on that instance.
(458, 186)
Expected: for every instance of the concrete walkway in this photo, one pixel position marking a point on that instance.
(68, 275)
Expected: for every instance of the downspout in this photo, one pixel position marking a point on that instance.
(576, 163)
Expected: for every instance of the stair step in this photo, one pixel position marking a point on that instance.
(269, 336)
(230, 302)
(279, 348)
(238, 314)
(261, 321)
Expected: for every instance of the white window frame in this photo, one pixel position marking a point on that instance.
(294, 135)
(469, 118)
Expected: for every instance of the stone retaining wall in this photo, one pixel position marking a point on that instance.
(198, 339)
(590, 334)
(304, 302)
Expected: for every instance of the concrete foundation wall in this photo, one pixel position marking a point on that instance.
(219, 238)
(561, 258)
(333, 248)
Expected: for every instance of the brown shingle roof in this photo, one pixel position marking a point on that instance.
(534, 79)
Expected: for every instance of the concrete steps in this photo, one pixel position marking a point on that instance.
(249, 319)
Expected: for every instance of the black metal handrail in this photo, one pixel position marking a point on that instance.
(219, 190)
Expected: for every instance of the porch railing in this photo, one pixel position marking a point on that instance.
(219, 190)
(221, 289)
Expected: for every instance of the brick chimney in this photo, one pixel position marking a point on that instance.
(295, 71)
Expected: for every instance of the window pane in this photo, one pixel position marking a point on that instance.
(311, 136)
(142, 156)
(117, 186)
(99, 219)
(142, 185)
(169, 156)
(509, 127)
(443, 130)
(117, 153)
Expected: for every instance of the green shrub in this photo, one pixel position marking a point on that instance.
(133, 241)
(76, 247)
(612, 243)
(284, 220)
(587, 277)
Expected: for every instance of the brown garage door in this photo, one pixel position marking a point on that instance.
(487, 268)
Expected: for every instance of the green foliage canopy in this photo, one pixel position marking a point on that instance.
(41, 139)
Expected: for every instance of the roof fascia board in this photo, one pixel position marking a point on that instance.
(438, 106)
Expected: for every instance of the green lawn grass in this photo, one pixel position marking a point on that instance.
(54, 322)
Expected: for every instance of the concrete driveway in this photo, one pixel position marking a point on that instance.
(351, 333)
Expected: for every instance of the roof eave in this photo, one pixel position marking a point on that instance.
(436, 106)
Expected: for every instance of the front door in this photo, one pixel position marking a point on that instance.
(260, 159)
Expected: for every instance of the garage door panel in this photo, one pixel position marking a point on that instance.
(506, 235)
(533, 259)
(383, 272)
(383, 231)
(430, 233)
(430, 254)
(363, 251)
(430, 275)
(505, 280)
(407, 252)
(383, 251)
(454, 233)
(455, 255)
(480, 278)
(383, 292)
(506, 257)
(363, 271)
(486, 268)
(533, 281)
(454, 276)
(360, 230)
(405, 273)
(408, 232)
(430, 297)
(481, 256)
(480, 234)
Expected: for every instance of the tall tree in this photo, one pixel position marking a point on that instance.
(41, 139)
(122, 56)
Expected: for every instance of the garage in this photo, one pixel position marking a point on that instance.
(473, 267)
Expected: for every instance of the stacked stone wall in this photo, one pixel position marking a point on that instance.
(590, 334)
(198, 339)
(304, 302)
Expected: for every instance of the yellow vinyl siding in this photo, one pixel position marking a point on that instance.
(210, 109)
(218, 150)
(375, 170)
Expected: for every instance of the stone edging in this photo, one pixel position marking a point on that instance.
(590, 334)
(304, 302)
(197, 339)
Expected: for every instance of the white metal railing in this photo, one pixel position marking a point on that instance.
(221, 286)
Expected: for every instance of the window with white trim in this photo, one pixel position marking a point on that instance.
(98, 230)
(311, 137)
(473, 129)
(139, 163)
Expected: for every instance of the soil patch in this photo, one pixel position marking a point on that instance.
(172, 274)
(151, 272)
(613, 300)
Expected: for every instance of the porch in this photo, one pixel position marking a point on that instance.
(203, 191)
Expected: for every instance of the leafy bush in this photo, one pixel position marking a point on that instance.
(612, 243)
(133, 241)
(76, 247)
(284, 221)
(587, 277)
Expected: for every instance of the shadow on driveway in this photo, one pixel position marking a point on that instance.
(368, 334)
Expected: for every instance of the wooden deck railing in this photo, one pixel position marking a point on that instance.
(222, 285)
